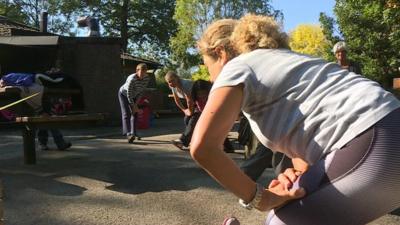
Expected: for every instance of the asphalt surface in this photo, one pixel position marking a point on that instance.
(103, 180)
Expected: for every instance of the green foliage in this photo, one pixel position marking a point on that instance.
(61, 13)
(193, 16)
(161, 84)
(201, 73)
(328, 28)
(143, 24)
(13, 11)
(371, 30)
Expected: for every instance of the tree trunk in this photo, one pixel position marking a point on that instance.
(124, 25)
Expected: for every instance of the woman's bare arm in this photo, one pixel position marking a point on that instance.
(215, 122)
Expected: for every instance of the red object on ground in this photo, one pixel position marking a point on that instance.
(143, 116)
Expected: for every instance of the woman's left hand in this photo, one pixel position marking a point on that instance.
(278, 195)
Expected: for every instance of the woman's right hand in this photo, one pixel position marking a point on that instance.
(134, 108)
(287, 178)
(278, 195)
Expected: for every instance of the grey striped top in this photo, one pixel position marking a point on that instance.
(134, 87)
(304, 106)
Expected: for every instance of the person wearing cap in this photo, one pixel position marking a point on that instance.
(340, 51)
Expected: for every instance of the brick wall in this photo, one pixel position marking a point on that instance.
(95, 63)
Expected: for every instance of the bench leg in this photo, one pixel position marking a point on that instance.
(28, 135)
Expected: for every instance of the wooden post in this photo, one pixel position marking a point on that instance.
(28, 136)
(1, 204)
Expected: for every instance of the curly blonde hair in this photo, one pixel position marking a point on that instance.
(256, 31)
(218, 35)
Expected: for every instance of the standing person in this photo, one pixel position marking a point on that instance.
(181, 90)
(128, 95)
(344, 147)
(340, 51)
(51, 106)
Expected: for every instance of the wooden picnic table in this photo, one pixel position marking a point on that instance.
(29, 125)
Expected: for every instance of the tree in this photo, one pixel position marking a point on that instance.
(308, 39)
(24, 11)
(61, 13)
(372, 31)
(201, 73)
(13, 12)
(193, 16)
(331, 33)
(144, 26)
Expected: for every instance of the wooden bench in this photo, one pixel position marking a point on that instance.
(30, 124)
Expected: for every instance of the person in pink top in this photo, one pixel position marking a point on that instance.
(199, 94)
(200, 91)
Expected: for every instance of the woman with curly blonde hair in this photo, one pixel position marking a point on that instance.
(344, 145)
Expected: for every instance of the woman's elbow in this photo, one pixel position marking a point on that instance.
(198, 151)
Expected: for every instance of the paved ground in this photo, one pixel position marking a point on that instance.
(103, 180)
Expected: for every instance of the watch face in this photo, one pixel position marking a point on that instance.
(245, 205)
(256, 200)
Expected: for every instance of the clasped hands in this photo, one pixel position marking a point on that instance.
(279, 190)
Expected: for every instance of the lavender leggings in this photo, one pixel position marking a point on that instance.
(354, 185)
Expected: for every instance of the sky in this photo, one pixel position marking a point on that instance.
(302, 11)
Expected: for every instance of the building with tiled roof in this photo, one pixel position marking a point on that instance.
(96, 63)
(12, 28)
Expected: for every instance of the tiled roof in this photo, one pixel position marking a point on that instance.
(126, 56)
(7, 26)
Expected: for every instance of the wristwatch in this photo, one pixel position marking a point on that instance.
(254, 203)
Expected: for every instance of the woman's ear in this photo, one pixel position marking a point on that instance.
(222, 55)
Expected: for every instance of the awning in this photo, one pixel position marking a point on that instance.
(29, 40)
(138, 60)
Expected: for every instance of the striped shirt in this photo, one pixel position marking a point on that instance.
(134, 87)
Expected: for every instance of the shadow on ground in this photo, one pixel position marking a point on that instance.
(132, 169)
(396, 212)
